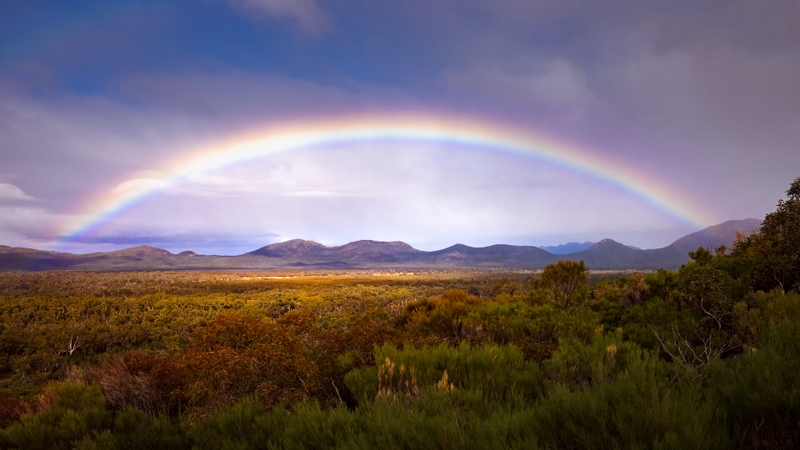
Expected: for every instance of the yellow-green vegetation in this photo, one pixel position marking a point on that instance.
(707, 356)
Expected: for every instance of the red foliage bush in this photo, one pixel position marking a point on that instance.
(236, 355)
(150, 383)
(11, 408)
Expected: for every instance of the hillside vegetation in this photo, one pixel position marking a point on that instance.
(706, 356)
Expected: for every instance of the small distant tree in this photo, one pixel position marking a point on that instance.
(565, 280)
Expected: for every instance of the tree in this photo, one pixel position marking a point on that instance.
(773, 252)
(702, 288)
(565, 280)
(702, 256)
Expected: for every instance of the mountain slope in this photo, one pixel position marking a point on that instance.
(365, 251)
(715, 236)
(608, 254)
(296, 247)
(500, 255)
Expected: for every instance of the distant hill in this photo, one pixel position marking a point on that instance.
(142, 251)
(608, 254)
(500, 255)
(569, 247)
(359, 252)
(573, 247)
(713, 237)
(298, 253)
(296, 247)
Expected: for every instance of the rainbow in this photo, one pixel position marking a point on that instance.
(410, 128)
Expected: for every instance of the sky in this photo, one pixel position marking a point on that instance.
(643, 121)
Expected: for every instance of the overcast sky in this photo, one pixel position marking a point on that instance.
(700, 97)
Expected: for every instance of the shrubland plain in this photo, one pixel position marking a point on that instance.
(706, 356)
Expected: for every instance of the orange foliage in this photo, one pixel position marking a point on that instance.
(150, 383)
(11, 408)
(236, 355)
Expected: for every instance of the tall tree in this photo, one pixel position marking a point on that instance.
(773, 252)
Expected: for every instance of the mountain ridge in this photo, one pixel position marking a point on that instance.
(569, 247)
(364, 254)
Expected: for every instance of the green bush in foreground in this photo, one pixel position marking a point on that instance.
(78, 418)
(481, 377)
(760, 389)
(77, 410)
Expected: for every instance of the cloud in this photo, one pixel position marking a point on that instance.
(238, 98)
(72, 150)
(309, 17)
(685, 92)
(11, 192)
(138, 185)
(558, 86)
(69, 148)
(68, 155)
(27, 226)
(311, 193)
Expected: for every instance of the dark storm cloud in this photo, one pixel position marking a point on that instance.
(670, 85)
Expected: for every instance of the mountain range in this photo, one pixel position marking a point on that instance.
(298, 253)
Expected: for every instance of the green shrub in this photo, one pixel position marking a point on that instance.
(641, 323)
(498, 375)
(134, 429)
(576, 366)
(633, 411)
(77, 410)
(760, 389)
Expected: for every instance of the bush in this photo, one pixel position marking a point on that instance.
(76, 410)
(633, 411)
(238, 355)
(565, 280)
(760, 389)
(577, 366)
(150, 383)
(439, 319)
(489, 375)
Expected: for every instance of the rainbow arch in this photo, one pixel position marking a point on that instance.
(301, 135)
